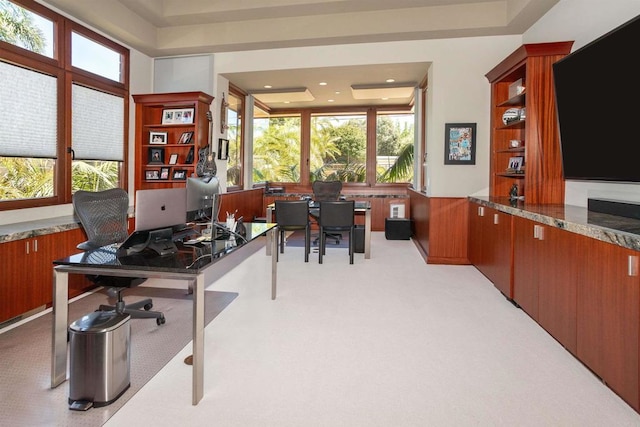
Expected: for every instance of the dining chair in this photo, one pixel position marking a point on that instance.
(336, 217)
(324, 191)
(293, 215)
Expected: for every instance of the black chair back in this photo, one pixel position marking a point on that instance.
(293, 215)
(326, 190)
(337, 215)
(103, 215)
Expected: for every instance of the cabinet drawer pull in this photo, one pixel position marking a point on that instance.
(27, 247)
(35, 245)
(496, 219)
(633, 265)
(535, 231)
(480, 210)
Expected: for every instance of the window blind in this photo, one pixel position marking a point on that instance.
(97, 125)
(29, 122)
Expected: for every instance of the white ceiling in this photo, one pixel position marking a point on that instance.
(162, 28)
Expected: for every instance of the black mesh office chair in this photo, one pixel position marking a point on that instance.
(336, 216)
(103, 215)
(325, 191)
(292, 215)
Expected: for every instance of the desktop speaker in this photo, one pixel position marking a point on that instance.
(397, 229)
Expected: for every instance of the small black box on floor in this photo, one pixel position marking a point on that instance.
(397, 228)
(358, 239)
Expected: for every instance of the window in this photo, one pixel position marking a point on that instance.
(235, 137)
(338, 147)
(276, 148)
(41, 161)
(394, 147)
(366, 145)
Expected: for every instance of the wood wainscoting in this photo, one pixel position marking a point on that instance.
(440, 227)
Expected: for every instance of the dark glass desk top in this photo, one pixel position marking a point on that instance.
(190, 258)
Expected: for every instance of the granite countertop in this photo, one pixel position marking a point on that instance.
(40, 227)
(613, 229)
(347, 195)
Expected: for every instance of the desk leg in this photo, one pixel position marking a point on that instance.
(59, 330)
(274, 261)
(367, 234)
(270, 237)
(198, 339)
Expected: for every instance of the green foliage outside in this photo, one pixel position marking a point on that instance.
(17, 28)
(338, 150)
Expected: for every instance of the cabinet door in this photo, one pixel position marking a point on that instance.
(498, 255)
(15, 273)
(476, 214)
(490, 245)
(608, 316)
(557, 283)
(525, 266)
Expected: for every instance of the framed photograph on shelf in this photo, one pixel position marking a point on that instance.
(173, 159)
(223, 149)
(460, 144)
(157, 137)
(189, 158)
(164, 173)
(156, 155)
(185, 138)
(151, 174)
(515, 164)
(177, 116)
(179, 174)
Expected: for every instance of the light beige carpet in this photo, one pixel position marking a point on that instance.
(25, 394)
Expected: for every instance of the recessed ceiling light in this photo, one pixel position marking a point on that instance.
(287, 102)
(268, 86)
(385, 99)
(390, 80)
(322, 83)
(330, 100)
(337, 92)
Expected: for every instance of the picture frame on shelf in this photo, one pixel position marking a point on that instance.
(151, 174)
(186, 137)
(164, 173)
(156, 156)
(515, 164)
(460, 144)
(158, 137)
(223, 149)
(189, 158)
(173, 159)
(172, 116)
(179, 174)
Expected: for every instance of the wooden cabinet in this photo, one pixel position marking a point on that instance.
(171, 128)
(27, 267)
(544, 277)
(490, 248)
(608, 301)
(530, 66)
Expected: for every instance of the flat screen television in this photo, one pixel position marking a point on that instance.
(203, 199)
(597, 97)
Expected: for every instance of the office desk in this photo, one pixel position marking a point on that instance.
(361, 207)
(195, 264)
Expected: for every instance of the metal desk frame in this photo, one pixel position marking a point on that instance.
(197, 281)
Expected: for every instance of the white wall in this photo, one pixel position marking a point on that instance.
(584, 21)
(458, 90)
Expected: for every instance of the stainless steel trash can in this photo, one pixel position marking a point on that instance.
(99, 364)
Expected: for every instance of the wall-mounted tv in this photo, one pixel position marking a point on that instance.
(598, 106)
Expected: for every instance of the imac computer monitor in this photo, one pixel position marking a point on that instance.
(160, 208)
(203, 199)
(157, 212)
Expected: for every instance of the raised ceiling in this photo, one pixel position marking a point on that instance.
(161, 28)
